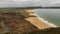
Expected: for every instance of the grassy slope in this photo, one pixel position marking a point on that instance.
(23, 11)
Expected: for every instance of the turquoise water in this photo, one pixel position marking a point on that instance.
(51, 15)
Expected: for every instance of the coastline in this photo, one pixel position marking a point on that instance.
(46, 22)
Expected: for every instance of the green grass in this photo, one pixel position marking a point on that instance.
(22, 11)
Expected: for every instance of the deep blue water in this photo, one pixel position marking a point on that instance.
(51, 15)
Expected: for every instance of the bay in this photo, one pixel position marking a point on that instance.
(50, 15)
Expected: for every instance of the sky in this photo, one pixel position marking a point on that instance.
(29, 3)
(17, 3)
(48, 3)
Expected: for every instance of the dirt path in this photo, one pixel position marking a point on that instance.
(36, 22)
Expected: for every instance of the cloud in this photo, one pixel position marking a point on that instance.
(29, 3)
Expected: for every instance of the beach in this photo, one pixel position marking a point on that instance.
(46, 22)
(38, 22)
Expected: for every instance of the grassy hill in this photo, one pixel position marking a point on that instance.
(23, 11)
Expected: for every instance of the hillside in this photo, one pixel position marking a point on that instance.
(47, 31)
(14, 22)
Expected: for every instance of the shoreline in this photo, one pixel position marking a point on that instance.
(35, 21)
(46, 22)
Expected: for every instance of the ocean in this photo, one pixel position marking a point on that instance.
(50, 15)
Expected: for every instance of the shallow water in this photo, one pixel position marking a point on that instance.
(51, 15)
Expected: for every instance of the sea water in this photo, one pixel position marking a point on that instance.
(50, 15)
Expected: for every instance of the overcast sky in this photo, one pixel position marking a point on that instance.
(15, 3)
(28, 3)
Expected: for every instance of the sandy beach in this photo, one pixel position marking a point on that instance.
(36, 22)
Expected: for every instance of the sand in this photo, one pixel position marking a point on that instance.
(36, 22)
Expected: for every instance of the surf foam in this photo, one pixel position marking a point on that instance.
(46, 22)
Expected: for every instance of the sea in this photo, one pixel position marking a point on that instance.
(50, 15)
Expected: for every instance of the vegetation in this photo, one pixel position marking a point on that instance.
(47, 31)
(23, 11)
(15, 23)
